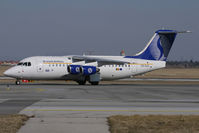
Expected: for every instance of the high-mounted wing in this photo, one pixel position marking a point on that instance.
(101, 61)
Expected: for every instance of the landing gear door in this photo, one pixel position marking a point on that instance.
(40, 68)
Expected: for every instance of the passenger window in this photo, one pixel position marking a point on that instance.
(60, 65)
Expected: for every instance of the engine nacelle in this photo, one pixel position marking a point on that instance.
(74, 69)
(88, 70)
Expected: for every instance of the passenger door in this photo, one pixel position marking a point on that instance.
(40, 68)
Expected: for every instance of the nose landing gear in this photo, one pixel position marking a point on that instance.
(17, 82)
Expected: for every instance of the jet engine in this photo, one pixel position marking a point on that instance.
(88, 70)
(74, 69)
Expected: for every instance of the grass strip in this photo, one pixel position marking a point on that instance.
(12, 123)
(154, 124)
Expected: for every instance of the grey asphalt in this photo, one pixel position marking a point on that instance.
(74, 108)
(14, 106)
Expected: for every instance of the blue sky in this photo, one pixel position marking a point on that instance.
(62, 27)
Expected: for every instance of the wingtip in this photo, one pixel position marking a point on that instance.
(186, 31)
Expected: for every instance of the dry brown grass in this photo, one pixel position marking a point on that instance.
(3, 69)
(172, 73)
(154, 124)
(12, 123)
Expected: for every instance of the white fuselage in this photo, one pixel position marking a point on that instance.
(83, 68)
(55, 67)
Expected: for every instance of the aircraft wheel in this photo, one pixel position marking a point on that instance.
(94, 83)
(81, 82)
(17, 82)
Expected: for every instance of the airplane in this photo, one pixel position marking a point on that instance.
(93, 68)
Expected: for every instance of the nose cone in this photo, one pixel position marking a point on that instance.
(12, 72)
(7, 72)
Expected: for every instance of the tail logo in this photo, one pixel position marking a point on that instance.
(158, 47)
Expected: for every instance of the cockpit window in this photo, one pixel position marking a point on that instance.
(20, 63)
(25, 64)
(29, 64)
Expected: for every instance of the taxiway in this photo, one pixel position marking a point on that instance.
(68, 105)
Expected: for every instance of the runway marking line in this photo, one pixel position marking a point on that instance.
(111, 110)
(39, 89)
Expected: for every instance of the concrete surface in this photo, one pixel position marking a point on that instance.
(65, 125)
(74, 108)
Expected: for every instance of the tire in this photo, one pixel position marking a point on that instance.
(17, 82)
(94, 83)
(81, 82)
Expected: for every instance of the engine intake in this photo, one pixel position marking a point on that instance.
(74, 69)
(88, 70)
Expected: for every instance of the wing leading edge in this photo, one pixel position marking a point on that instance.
(101, 61)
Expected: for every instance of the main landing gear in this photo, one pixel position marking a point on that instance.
(94, 83)
(92, 79)
(81, 82)
(84, 82)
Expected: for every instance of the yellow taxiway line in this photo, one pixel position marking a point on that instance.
(98, 110)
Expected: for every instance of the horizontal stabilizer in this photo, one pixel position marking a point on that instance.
(171, 31)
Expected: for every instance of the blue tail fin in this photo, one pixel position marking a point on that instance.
(158, 47)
